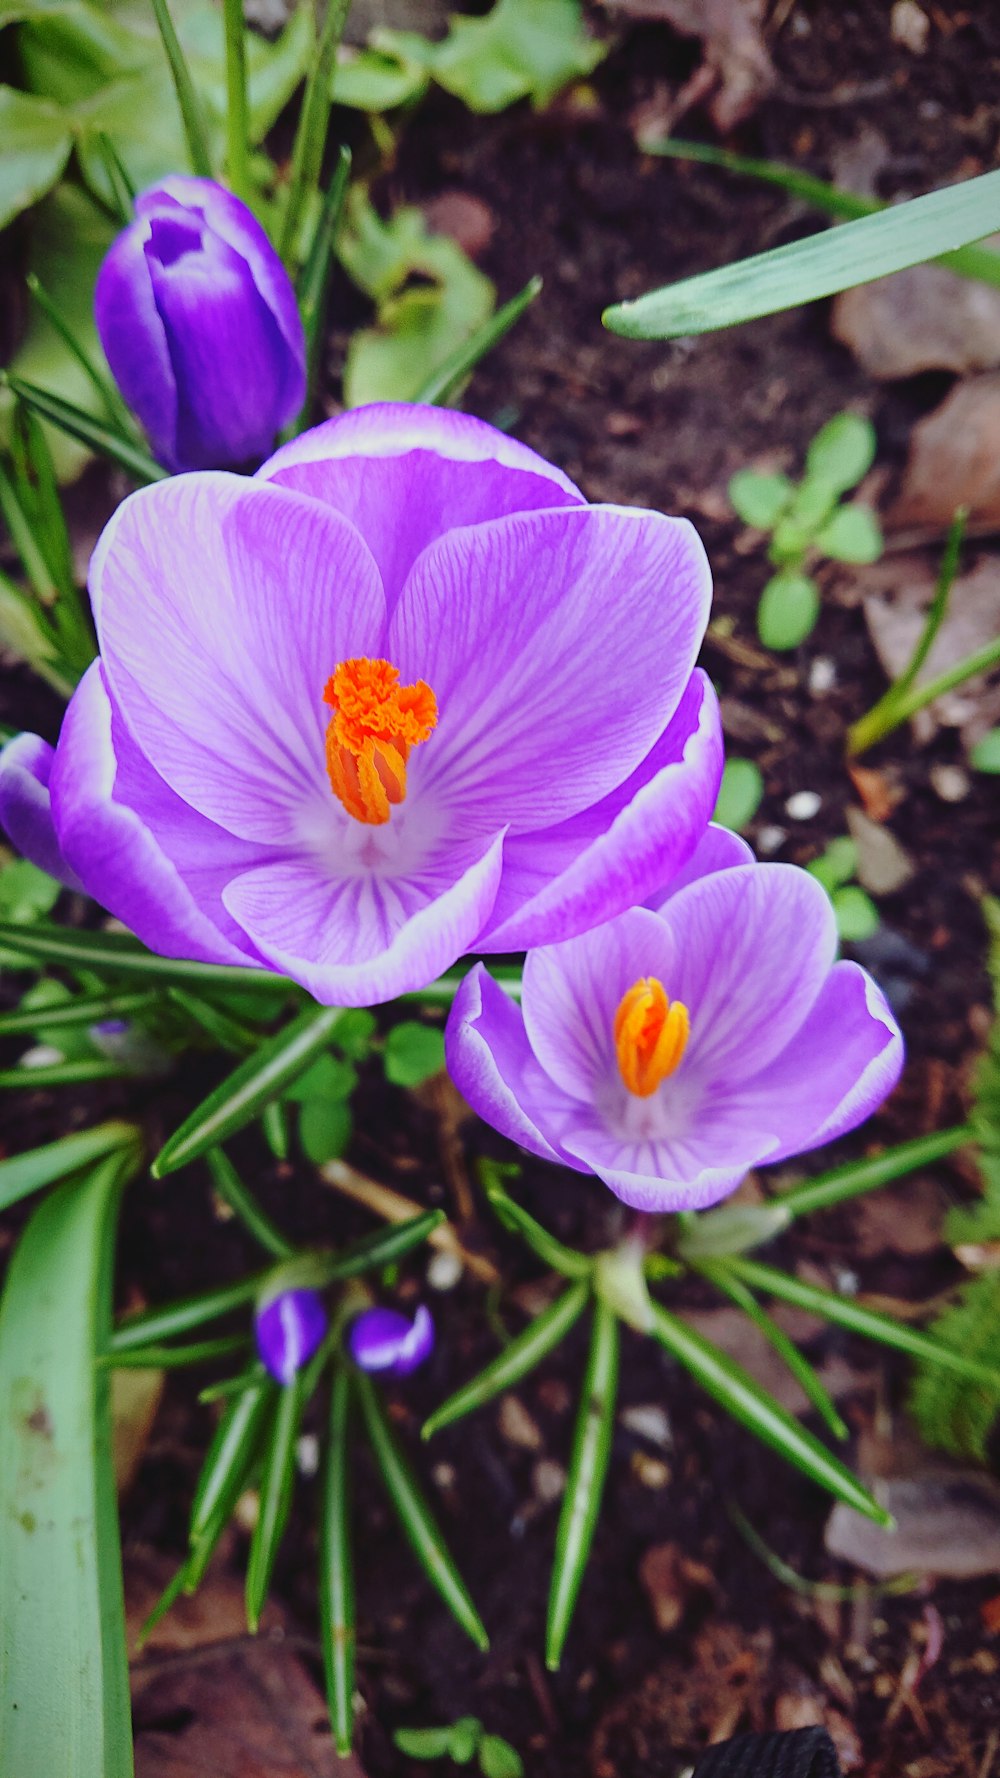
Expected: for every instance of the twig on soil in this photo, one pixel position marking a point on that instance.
(392, 1206)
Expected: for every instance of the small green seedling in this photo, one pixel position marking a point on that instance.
(857, 915)
(740, 795)
(463, 1741)
(808, 521)
(985, 755)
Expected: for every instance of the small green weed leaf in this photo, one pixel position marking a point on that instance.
(464, 1739)
(951, 1414)
(26, 892)
(378, 78)
(853, 534)
(37, 137)
(498, 1759)
(842, 451)
(985, 755)
(760, 500)
(788, 609)
(355, 1032)
(424, 1743)
(413, 1053)
(324, 1130)
(740, 795)
(857, 915)
(522, 49)
(327, 1079)
(837, 865)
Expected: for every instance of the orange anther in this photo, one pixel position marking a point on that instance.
(374, 724)
(651, 1034)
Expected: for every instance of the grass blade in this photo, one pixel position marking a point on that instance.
(552, 1252)
(811, 1385)
(62, 1074)
(192, 116)
(310, 137)
(314, 280)
(230, 1455)
(735, 1390)
(244, 1205)
(838, 259)
(872, 1325)
(21, 1174)
(865, 1176)
(539, 1338)
(384, 1248)
(64, 1697)
(87, 1009)
(587, 1470)
(118, 414)
(237, 113)
(151, 1326)
(115, 953)
(174, 1358)
(337, 1570)
(276, 1488)
(441, 383)
(120, 185)
(415, 1515)
(242, 1097)
(97, 436)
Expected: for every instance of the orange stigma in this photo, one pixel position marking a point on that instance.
(374, 724)
(651, 1036)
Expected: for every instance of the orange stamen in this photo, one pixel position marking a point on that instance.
(374, 724)
(651, 1035)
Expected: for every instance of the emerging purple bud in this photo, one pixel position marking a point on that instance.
(200, 326)
(384, 1340)
(290, 1328)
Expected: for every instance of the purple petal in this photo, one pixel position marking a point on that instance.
(566, 879)
(384, 1340)
(290, 1329)
(718, 849)
(558, 645)
(657, 1179)
(148, 858)
(134, 340)
(491, 1062)
(26, 807)
(405, 474)
(222, 606)
(353, 940)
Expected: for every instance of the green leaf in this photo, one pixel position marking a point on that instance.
(413, 1053)
(377, 78)
(26, 892)
(170, 1358)
(549, 1250)
(77, 423)
(353, 1036)
(869, 1174)
(788, 609)
(585, 1485)
(852, 535)
(521, 49)
(836, 865)
(336, 1575)
(740, 795)
(312, 285)
(37, 137)
(229, 1456)
(424, 1743)
(61, 1074)
(386, 1247)
(517, 1359)
(310, 135)
(464, 1739)
(810, 1383)
(187, 98)
(277, 1485)
(498, 1759)
(326, 1079)
(148, 1326)
(803, 271)
(64, 1696)
(842, 452)
(243, 1204)
(241, 1098)
(21, 1174)
(415, 1515)
(759, 500)
(949, 1413)
(735, 1391)
(857, 915)
(324, 1130)
(985, 755)
(450, 376)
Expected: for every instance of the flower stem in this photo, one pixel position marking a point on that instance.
(237, 113)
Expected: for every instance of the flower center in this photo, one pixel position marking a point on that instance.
(374, 724)
(651, 1035)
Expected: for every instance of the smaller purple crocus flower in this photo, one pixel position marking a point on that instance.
(384, 1340)
(672, 1049)
(289, 1329)
(200, 326)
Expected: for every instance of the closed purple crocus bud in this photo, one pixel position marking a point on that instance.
(200, 326)
(385, 1340)
(26, 808)
(289, 1328)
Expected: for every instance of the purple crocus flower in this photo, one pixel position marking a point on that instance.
(289, 1329)
(200, 326)
(402, 695)
(671, 1050)
(25, 805)
(385, 1340)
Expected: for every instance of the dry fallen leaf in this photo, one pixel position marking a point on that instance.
(736, 56)
(730, 1330)
(925, 318)
(947, 1524)
(897, 592)
(954, 461)
(135, 1397)
(884, 866)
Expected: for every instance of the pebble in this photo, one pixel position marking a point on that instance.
(517, 1426)
(44, 1055)
(771, 839)
(307, 1454)
(803, 805)
(822, 675)
(444, 1269)
(651, 1423)
(444, 1476)
(548, 1480)
(650, 1471)
(952, 783)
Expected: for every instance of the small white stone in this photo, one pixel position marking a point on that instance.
(771, 839)
(910, 26)
(517, 1426)
(822, 675)
(548, 1480)
(803, 805)
(44, 1055)
(444, 1476)
(651, 1423)
(444, 1269)
(307, 1454)
(952, 783)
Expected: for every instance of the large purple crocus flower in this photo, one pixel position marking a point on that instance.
(670, 1051)
(200, 326)
(402, 695)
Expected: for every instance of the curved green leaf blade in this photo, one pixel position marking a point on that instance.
(735, 1390)
(386, 1247)
(337, 1570)
(520, 1222)
(149, 1326)
(243, 1204)
(115, 953)
(86, 1009)
(809, 1381)
(22, 1174)
(242, 1097)
(276, 1487)
(415, 1515)
(64, 1699)
(872, 247)
(37, 137)
(230, 1455)
(867, 1175)
(585, 1487)
(539, 1338)
(442, 382)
